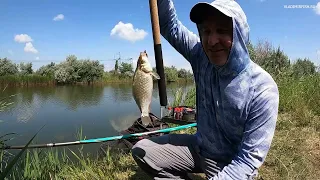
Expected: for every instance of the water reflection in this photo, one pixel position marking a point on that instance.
(122, 92)
(79, 96)
(25, 104)
(28, 108)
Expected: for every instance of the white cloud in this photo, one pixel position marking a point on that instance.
(22, 38)
(37, 58)
(59, 17)
(127, 32)
(29, 48)
(318, 53)
(25, 38)
(317, 9)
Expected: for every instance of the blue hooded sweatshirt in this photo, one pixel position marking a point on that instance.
(237, 104)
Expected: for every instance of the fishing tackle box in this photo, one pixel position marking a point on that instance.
(180, 115)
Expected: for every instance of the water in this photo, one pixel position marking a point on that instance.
(100, 110)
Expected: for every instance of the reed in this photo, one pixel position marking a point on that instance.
(26, 80)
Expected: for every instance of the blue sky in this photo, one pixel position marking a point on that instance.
(31, 33)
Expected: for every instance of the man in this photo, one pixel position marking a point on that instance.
(237, 101)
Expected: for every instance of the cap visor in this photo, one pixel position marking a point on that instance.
(203, 10)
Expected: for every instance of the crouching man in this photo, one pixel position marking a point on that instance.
(237, 101)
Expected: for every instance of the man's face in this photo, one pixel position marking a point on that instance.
(216, 36)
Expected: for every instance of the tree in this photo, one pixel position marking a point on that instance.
(25, 68)
(116, 67)
(274, 61)
(47, 70)
(251, 51)
(90, 70)
(64, 74)
(278, 62)
(71, 59)
(182, 73)
(303, 67)
(125, 67)
(7, 67)
(262, 52)
(73, 70)
(67, 71)
(171, 73)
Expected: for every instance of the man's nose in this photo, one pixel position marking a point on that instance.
(213, 39)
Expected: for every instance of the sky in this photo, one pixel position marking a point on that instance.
(48, 31)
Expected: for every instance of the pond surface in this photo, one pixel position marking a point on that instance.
(100, 110)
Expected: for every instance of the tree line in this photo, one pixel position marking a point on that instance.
(278, 64)
(69, 71)
(73, 70)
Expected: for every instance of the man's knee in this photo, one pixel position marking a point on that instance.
(138, 149)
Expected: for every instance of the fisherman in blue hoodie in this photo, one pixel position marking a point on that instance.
(237, 101)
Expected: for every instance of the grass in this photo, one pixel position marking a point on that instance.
(114, 78)
(26, 80)
(295, 151)
(53, 164)
(294, 154)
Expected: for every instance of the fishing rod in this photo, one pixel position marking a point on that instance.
(158, 54)
(98, 140)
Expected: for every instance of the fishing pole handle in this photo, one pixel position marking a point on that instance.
(153, 4)
(155, 21)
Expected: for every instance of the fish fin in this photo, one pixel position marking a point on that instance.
(146, 68)
(146, 120)
(154, 74)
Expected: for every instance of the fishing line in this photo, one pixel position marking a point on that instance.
(98, 140)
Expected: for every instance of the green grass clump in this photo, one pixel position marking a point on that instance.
(26, 80)
(298, 93)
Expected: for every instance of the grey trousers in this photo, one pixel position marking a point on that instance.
(172, 156)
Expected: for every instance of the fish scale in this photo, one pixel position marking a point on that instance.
(142, 90)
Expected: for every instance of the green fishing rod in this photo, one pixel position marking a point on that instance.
(99, 140)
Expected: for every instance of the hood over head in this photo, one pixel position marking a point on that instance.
(239, 57)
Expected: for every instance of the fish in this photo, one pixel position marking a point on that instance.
(142, 86)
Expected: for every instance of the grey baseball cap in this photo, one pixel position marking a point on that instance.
(229, 8)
